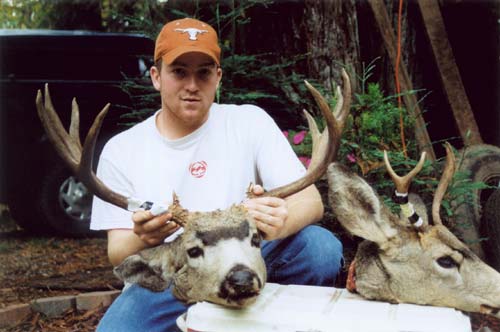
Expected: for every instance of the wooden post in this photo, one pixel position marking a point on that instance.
(450, 76)
(422, 136)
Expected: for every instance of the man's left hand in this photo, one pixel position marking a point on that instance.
(269, 213)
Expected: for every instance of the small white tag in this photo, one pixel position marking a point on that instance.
(398, 194)
(134, 204)
(158, 209)
(419, 223)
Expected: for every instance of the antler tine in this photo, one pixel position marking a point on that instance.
(74, 127)
(322, 157)
(403, 183)
(85, 172)
(343, 99)
(313, 127)
(67, 149)
(337, 111)
(449, 170)
(179, 215)
(317, 137)
(319, 140)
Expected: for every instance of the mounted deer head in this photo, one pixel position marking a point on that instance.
(217, 258)
(404, 259)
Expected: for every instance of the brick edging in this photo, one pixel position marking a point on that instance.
(55, 306)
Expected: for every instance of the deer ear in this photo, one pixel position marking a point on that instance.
(357, 206)
(142, 271)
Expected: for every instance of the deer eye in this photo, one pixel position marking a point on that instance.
(195, 252)
(447, 262)
(255, 240)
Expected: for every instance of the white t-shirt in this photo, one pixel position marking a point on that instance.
(209, 169)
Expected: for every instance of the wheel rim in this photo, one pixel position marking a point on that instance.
(75, 199)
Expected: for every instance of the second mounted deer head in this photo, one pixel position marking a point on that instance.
(404, 258)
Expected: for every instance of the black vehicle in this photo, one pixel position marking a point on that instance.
(91, 66)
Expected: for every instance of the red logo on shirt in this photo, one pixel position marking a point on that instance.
(198, 169)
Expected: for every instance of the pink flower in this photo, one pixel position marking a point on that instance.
(305, 160)
(285, 132)
(351, 157)
(299, 137)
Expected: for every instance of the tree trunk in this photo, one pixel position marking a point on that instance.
(332, 40)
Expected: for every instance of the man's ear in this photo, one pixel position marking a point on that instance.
(137, 269)
(219, 76)
(155, 77)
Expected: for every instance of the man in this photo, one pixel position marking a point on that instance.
(207, 153)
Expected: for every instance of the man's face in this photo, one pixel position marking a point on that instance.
(187, 88)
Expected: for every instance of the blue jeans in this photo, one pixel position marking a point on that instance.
(313, 256)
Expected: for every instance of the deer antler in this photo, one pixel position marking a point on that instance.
(70, 149)
(402, 186)
(325, 146)
(403, 183)
(79, 159)
(449, 170)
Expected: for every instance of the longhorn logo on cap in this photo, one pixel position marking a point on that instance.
(193, 32)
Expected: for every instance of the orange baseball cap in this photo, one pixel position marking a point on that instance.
(184, 36)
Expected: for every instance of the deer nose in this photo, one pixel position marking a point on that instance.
(241, 278)
(240, 282)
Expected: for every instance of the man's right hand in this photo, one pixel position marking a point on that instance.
(152, 230)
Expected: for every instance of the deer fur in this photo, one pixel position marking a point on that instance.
(233, 273)
(400, 263)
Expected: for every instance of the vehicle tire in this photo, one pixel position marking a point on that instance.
(490, 229)
(21, 197)
(481, 163)
(65, 203)
(47, 199)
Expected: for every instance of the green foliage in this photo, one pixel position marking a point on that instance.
(98, 15)
(131, 16)
(51, 14)
(373, 126)
(259, 79)
(377, 118)
(20, 14)
(145, 100)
